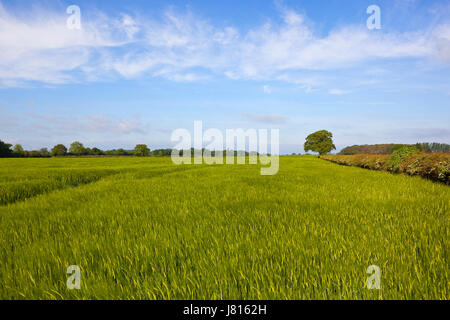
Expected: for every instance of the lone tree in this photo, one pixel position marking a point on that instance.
(141, 150)
(320, 141)
(77, 148)
(59, 150)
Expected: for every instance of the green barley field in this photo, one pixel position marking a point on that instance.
(143, 228)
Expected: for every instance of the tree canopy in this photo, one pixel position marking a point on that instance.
(59, 150)
(141, 150)
(18, 150)
(5, 149)
(320, 141)
(77, 148)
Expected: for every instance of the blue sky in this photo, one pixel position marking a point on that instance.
(137, 70)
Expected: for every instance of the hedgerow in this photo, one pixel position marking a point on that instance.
(434, 166)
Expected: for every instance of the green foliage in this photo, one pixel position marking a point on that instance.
(147, 229)
(77, 148)
(44, 152)
(18, 151)
(33, 154)
(96, 152)
(399, 155)
(141, 150)
(5, 149)
(119, 152)
(161, 153)
(390, 148)
(371, 149)
(59, 150)
(433, 166)
(433, 147)
(320, 141)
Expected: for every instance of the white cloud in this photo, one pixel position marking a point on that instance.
(442, 38)
(103, 124)
(267, 89)
(178, 45)
(42, 48)
(308, 84)
(180, 77)
(338, 91)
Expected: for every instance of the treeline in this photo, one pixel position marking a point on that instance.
(433, 147)
(18, 151)
(77, 149)
(390, 148)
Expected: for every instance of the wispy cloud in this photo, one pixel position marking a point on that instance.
(338, 91)
(443, 42)
(186, 47)
(41, 48)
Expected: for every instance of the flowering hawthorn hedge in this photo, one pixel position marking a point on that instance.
(433, 166)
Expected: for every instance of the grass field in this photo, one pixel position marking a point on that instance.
(143, 228)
